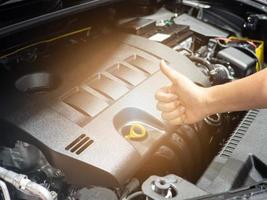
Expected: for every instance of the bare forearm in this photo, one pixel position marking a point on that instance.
(186, 103)
(243, 94)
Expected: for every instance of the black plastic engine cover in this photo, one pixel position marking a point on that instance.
(80, 124)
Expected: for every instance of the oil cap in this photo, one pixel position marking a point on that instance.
(136, 132)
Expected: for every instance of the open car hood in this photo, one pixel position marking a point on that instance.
(19, 14)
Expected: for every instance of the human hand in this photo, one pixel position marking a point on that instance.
(182, 102)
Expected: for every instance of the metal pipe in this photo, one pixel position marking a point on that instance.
(22, 183)
(4, 190)
(38, 190)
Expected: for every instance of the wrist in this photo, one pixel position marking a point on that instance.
(209, 103)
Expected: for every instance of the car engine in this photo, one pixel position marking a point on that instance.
(78, 118)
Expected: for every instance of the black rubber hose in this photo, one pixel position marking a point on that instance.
(202, 61)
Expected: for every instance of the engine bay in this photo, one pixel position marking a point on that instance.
(78, 115)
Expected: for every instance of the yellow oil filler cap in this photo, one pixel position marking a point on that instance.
(137, 132)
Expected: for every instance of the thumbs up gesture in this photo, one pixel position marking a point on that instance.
(182, 102)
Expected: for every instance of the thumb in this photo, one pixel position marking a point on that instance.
(175, 77)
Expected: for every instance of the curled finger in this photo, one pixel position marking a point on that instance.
(165, 94)
(178, 112)
(167, 107)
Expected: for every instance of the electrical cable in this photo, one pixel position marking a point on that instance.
(45, 41)
(236, 40)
